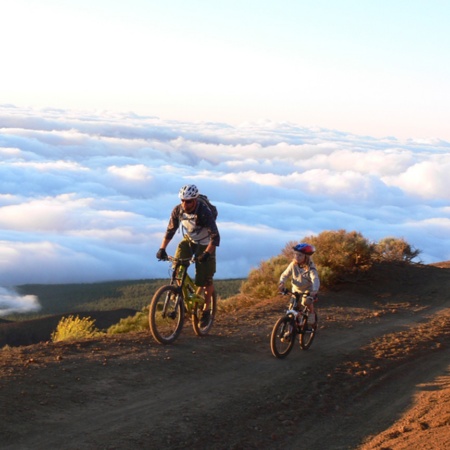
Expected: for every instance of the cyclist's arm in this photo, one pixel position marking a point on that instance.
(210, 248)
(172, 227)
(285, 275)
(206, 220)
(164, 243)
(315, 281)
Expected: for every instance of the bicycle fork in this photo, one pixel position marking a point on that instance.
(172, 314)
(289, 326)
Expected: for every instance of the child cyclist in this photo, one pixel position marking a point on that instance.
(304, 277)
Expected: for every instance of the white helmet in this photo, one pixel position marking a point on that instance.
(187, 192)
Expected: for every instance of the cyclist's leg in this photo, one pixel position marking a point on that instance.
(184, 249)
(309, 303)
(204, 278)
(208, 290)
(204, 273)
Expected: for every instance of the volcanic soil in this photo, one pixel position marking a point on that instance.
(376, 377)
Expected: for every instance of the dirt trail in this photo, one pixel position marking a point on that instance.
(227, 391)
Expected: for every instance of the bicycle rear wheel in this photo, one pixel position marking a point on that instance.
(197, 316)
(166, 315)
(282, 337)
(307, 335)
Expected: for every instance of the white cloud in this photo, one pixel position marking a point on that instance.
(427, 179)
(49, 165)
(9, 152)
(87, 196)
(137, 172)
(56, 214)
(11, 302)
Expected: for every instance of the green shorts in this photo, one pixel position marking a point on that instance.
(204, 272)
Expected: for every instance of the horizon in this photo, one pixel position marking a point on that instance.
(293, 118)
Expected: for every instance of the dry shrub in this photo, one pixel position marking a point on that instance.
(341, 256)
(138, 322)
(263, 281)
(236, 302)
(393, 249)
(73, 328)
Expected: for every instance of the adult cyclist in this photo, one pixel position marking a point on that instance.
(201, 237)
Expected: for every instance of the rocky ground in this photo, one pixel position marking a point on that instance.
(376, 377)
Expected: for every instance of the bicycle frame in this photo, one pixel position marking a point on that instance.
(299, 314)
(185, 284)
(292, 311)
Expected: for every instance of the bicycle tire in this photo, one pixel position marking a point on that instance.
(307, 336)
(166, 314)
(197, 315)
(283, 337)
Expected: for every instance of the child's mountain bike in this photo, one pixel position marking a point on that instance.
(293, 323)
(173, 302)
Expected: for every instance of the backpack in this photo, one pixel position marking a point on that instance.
(204, 199)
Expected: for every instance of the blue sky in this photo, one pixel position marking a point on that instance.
(295, 117)
(374, 68)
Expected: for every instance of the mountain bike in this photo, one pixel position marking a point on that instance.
(173, 302)
(294, 322)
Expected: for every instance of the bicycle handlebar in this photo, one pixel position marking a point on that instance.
(287, 292)
(180, 260)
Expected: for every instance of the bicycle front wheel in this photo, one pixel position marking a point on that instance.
(307, 334)
(203, 329)
(166, 315)
(282, 337)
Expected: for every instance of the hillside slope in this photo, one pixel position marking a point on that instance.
(383, 349)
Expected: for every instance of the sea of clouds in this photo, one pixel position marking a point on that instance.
(86, 197)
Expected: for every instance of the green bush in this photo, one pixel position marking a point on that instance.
(263, 281)
(138, 322)
(73, 328)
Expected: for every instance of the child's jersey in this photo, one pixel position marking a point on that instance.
(303, 278)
